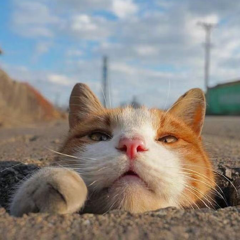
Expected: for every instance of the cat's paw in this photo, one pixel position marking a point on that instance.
(51, 190)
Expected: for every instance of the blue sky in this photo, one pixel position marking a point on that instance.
(154, 47)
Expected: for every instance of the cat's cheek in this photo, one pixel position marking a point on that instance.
(163, 174)
(101, 165)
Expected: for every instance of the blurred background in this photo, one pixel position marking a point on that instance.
(131, 51)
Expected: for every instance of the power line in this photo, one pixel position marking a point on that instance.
(208, 27)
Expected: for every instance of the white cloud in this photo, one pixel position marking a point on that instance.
(42, 47)
(74, 53)
(124, 68)
(83, 26)
(124, 8)
(84, 5)
(33, 19)
(59, 79)
(119, 67)
(146, 50)
(83, 23)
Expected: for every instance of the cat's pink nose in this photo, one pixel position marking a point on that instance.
(132, 146)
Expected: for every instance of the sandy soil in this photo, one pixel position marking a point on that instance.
(27, 149)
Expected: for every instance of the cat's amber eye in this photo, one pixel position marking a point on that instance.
(98, 136)
(168, 139)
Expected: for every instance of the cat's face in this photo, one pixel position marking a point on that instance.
(139, 159)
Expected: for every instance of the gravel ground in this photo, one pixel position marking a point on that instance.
(23, 150)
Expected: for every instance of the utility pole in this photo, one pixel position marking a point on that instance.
(207, 46)
(105, 83)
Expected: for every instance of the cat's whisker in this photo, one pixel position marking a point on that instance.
(109, 96)
(114, 202)
(93, 183)
(208, 182)
(85, 167)
(90, 169)
(211, 188)
(200, 199)
(123, 199)
(191, 203)
(227, 180)
(203, 176)
(208, 196)
(80, 162)
(62, 154)
(199, 174)
(186, 199)
(104, 96)
(220, 174)
(169, 88)
(11, 167)
(211, 201)
(195, 194)
(71, 156)
(63, 166)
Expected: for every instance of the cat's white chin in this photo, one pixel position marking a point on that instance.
(129, 183)
(130, 193)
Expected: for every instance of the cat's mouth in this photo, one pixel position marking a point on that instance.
(130, 178)
(130, 173)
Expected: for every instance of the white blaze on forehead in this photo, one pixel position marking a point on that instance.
(133, 122)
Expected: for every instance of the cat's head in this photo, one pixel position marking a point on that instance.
(139, 159)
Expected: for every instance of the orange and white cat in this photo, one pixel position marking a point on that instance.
(132, 159)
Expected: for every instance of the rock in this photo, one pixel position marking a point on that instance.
(33, 138)
(11, 174)
(229, 182)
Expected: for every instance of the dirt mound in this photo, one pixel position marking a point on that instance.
(21, 104)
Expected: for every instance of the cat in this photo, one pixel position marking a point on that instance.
(135, 159)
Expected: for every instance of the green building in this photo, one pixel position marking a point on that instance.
(224, 99)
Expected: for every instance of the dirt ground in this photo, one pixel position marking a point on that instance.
(23, 150)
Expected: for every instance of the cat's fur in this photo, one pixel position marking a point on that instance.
(89, 177)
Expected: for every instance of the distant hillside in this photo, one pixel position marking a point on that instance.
(21, 104)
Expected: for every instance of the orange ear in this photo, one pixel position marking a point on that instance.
(191, 108)
(82, 103)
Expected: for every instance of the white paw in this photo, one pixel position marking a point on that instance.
(51, 190)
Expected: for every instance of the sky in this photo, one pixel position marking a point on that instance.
(154, 47)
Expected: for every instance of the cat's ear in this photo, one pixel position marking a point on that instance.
(191, 108)
(82, 103)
